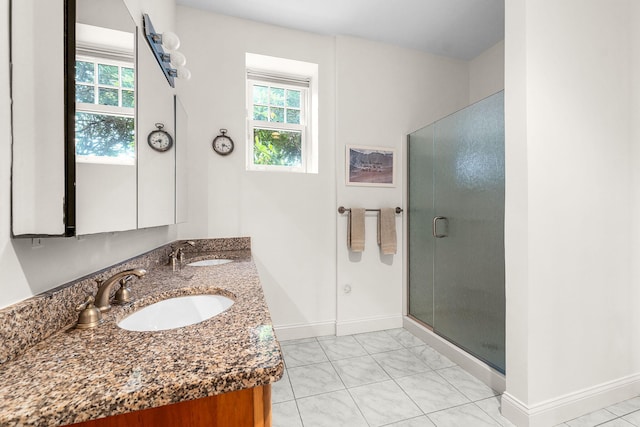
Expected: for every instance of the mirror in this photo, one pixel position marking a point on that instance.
(105, 117)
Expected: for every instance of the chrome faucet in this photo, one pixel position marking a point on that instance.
(177, 253)
(105, 288)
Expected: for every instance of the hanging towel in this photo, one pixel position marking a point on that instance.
(387, 231)
(355, 230)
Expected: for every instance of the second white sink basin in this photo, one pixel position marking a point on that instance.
(208, 262)
(175, 313)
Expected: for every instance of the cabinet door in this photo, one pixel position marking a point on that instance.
(156, 170)
(39, 200)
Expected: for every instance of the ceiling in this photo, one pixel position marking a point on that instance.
(456, 28)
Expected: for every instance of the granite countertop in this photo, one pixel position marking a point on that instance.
(77, 375)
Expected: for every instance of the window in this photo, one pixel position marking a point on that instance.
(278, 121)
(105, 110)
(282, 114)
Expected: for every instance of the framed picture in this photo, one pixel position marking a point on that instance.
(370, 166)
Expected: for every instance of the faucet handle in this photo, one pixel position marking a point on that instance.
(90, 316)
(123, 295)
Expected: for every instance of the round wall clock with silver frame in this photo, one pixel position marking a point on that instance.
(159, 139)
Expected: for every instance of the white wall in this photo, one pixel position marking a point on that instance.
(572, 330)
(381, 97)
(27, 270)
(289, 217)
(486, 73)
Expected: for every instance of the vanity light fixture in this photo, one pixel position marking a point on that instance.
(171, 61)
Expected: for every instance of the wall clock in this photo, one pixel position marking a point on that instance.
(222, 144)
(159, 139)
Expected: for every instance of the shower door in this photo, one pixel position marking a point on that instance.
(456, 228)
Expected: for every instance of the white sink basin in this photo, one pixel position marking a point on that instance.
(175, 313)
(208, 262)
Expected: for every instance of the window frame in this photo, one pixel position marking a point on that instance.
(287, 82)
(110, 110)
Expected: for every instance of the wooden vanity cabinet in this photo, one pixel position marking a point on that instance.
(244, 408)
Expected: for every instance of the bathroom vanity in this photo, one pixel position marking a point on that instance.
(214, 373)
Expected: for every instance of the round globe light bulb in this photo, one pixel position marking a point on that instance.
(170, 40)
(177, 59)
(183, 73)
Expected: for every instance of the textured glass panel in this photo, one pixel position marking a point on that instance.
(108, 75)
(421, 242)
(277, 97)
(277, 115)
(260, 95)
(260, 113)
(85, 94)
(293, 98)
(277, 147)
(128, 98)
(293, 116)
(104, 135)
(107, 96)
(469, 263)
(85, 72)
(128, 77)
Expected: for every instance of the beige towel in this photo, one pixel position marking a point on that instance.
(355, 230)
(387, 231)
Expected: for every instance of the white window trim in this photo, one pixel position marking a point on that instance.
(261, 124)
(284, 68)
(111, 110)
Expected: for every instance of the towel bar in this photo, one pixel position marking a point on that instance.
(342, 210)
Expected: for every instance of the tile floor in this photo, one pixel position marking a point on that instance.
(391, 378)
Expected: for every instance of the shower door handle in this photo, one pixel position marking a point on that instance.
(434, 226)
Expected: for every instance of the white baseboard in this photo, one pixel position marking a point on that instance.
(368, 324)
(307, 330)
(475, 367)
(569, 406)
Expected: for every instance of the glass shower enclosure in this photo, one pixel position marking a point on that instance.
(456, 229)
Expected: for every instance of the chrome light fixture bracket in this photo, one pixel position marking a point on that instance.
(154, 39)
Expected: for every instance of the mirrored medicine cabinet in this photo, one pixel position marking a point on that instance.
(86, 91)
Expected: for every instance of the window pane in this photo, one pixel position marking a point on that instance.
(107, 96)
(260, 95)
(128, 79)
(128, 98)
(85, 94)
(260, 113)
(293, 98)
(277, 97)
(108, 75)
(84, 72)
(293, 116)
(277, 115)
(104, 135)
(277, 147)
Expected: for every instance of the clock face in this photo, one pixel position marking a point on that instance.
(222, 145)
(160, 140)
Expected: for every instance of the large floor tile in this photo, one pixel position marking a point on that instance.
(431, 392)
(358, 371)
(404, 337)
(626, 407)
(338, 348)
(465, 415)
(330, 410)
(592, 419)
(431, 357)
(281, 391)
(314, 379)
(618, 422)
(384, 403)
(285, 414)
(422, 421)
(468, 385)
(633, 418)
(303, 354)
(296, 342)
(400, 363)
(492, 407)
(377, 342)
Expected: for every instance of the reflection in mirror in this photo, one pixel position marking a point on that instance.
(105, 119)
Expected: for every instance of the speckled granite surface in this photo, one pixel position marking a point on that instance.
(76, 375)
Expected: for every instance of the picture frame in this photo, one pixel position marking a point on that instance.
(370, 166)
